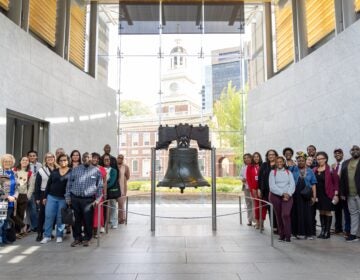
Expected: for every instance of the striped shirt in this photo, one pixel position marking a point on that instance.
(84, 181)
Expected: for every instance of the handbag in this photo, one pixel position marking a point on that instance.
(306, 193)
(67, 216)
(113, 193)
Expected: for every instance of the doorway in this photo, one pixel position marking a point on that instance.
(25, 133)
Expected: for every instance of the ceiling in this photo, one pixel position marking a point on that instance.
(142, 17)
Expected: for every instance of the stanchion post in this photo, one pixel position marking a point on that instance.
(127, 212)
(240, 210)
(272, 225)
(98, 225)
(213, 187)
(153, 156)
(260, 215)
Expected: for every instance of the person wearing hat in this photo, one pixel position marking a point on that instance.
(303, 198)
(336, 167)
(350, 189)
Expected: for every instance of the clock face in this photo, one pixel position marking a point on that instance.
(174, 86)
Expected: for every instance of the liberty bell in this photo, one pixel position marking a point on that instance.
(183, 168)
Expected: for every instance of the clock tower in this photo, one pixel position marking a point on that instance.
(180, 93)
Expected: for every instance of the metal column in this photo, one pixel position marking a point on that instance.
(93, 38)
(25, 15)
(213, 187)
(153, 189)
(268, 44)
(14, 12)
(300, 31)
(344, 14)
(63, 29)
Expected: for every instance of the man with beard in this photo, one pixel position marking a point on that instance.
(350, 189)
(83, 193)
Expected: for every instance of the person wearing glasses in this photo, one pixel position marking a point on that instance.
(54, 199)
(327, 192)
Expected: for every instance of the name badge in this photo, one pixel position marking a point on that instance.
(256, 178)
(93, 177)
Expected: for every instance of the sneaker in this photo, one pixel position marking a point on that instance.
(45, 240)
(114, 227)
(352, 238)
(59, 240)
(86, 243)
(75, 243)
(287, 239)
(309, 237)
(102, 230)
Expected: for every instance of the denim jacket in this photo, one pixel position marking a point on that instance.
(310, 178)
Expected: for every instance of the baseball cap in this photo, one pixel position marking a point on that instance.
(338, 150)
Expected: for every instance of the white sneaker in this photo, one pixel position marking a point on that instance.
(102, 230)
(45, 240)
(114, 227)
(59, 239)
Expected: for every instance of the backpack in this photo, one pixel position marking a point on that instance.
(287, 171)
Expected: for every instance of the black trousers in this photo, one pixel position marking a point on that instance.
(338, 216)
(84, 213)
(41, 214)
(313, 219)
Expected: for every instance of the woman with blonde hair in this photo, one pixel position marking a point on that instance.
(8, 190)
(41, 180)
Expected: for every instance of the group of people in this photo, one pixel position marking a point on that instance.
(37, 195)
(299, 186)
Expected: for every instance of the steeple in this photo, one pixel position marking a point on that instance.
(178, 56)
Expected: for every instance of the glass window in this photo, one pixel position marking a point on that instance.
(146, 139)
(135, 139)
(158, 165)
(146, 167)
(123, 139)
(135, 166)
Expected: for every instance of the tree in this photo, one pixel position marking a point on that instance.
(130, 108)
(228, 121)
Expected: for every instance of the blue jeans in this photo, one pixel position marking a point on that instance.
(53, 211)
(33, 213)
(5, 225)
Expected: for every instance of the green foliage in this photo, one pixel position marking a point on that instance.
(228, 120)
(130, 108)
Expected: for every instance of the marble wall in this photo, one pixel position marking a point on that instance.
(315, 101)
(37, 82)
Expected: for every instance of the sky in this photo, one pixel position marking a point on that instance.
(140, 70)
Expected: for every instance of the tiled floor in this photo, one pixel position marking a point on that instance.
(183, 250)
